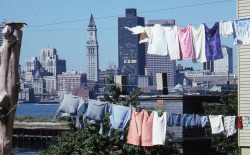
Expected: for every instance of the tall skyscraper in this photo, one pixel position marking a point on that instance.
(31, 65)
(159, 63)
(50, 62)
(131, 53)
(225, 64)
(92, 52)
(2, 25)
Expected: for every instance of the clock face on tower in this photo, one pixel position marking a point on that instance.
(90, 33)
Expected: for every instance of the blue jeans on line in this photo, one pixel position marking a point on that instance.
(174, 119)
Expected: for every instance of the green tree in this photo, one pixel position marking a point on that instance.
(89, 141)
(227, 107)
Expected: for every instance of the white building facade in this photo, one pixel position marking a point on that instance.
(225, 64)
(51, 83)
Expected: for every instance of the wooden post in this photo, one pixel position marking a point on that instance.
(9, 83)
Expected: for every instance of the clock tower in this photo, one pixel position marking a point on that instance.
(92, 52)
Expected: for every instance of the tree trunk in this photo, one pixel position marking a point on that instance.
(9, 83)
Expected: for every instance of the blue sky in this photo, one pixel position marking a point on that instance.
(42, 32)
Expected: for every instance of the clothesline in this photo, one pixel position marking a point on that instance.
(144, 129)
(199, 44)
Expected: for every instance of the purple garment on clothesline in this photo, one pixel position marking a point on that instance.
(213, 44)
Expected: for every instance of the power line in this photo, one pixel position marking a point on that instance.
(98, 28)
(178, 7)
(70, 29)
(185, 6)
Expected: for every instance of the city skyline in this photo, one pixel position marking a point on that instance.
(63, 25)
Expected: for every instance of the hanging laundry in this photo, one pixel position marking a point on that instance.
(191, 121)
(248, 121)
(174, 119)
(159, 128)
(242, 32)
(213, 44)
(146, 36)
(240, 123)
(184, 119)
(147, 129)
(135, 128)
(199, 46)
(226, 28)
(204, 120)
(188, 121)
(136, 30)
(229, 125)
(216, 123)
(145, 33)
(185, 41)
(172, 42)
(201, 121)
(198, 120)
(119, 117)
(158, 44)
(69, 105)
(95, 113)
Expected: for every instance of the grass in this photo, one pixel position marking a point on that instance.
(21, 121)
(40, 119)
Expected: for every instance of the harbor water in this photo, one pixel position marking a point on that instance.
(35, 109)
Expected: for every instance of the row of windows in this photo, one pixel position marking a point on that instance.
(91, 51)
(130, 61)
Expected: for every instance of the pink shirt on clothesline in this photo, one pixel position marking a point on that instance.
(185, 41)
